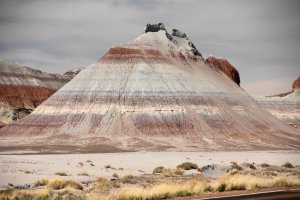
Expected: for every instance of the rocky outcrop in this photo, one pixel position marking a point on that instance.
(73, 72)
(225, 66)
(152, 94)
(177, 37)
(154, 27)
(22, 89)
(296, 84)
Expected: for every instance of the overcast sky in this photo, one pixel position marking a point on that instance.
(261, 38)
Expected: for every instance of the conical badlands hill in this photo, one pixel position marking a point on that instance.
(155, 93)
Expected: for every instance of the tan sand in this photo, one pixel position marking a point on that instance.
(21, 169)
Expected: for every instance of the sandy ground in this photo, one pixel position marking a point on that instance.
(24, 169)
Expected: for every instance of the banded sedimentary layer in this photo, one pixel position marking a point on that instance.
(155, 93)
(22, 89)
(285, 107)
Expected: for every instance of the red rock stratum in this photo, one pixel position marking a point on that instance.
(22, 89)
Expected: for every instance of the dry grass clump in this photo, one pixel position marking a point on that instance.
(240, 182)
(102, 185)
(264, 165)
(158, 170)
(234, 165)
(116, 184)
(115, 175)
(179, 171)
(83, 174)
(128, 178)
(160, 191)
(100, 189)
(41, 182)
(249, 165)
(233, 172)
(187, 166)
(57, 184)
(44, 194)
(167, 172)
(287, 165)
(61, 174)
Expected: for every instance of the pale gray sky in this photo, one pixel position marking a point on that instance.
(261, 38)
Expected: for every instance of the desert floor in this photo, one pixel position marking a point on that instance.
(25, 169)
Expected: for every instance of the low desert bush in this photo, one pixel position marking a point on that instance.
(115, 175)
(287, 165)
(187, 166)
(234, 165)
(158, 170)
(264, 165)
(249, 165)
(61, 174)
(83, 174)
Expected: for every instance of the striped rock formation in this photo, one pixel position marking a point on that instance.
(155, 93)
(285, 107)
(22, 89)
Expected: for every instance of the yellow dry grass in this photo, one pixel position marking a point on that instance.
(16, 194)
(187, 188)
(57, 184)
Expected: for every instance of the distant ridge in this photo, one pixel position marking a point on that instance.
(22, 89)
